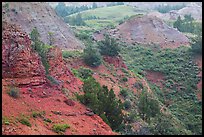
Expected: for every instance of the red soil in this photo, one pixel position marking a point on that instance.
(155, 77)
(47, 99)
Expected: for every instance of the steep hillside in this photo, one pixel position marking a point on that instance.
(175, 77)
(195, 10)
(40, 15)
(147, 30)
(147, 81)
(36, 105)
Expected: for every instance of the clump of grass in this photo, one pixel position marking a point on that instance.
(71, 54)
(48, 120)
(36, 114)
(5, 121)
(25, 121)
(58, 128)
(14, 92)
(65, 91)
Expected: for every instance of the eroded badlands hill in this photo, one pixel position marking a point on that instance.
(147, 30)
(40, 15)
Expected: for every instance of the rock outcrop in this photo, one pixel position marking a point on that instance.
(18, 60)
(60, 71)
(44, 18)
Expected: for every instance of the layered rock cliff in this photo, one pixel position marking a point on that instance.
(18, 60)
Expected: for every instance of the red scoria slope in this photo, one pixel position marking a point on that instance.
(22, 68)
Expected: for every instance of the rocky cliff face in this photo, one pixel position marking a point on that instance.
(18, 59)
(44, 18)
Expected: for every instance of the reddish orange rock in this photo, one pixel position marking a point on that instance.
(18, 59)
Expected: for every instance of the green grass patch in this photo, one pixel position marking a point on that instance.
(25, 121)
(36, 114)
(71, 54)
(108, 16)
(5, 120)
(58, 128)
(48, 120)
(114, 12)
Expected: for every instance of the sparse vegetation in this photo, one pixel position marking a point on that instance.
(48, 120)
(36, 114)
(41, 48)
(14, 92)
(71, 54)
(59, 128)
(65, 91)
(51, 38)
(5, 120)
(25, 121)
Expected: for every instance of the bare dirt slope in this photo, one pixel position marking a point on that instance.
(40, 15)
(148, 30)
